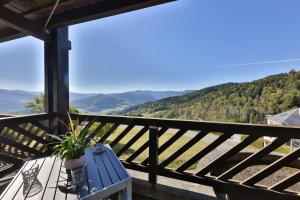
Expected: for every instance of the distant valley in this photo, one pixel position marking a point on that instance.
(12, 101)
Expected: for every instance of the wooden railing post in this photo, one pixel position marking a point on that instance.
(153, 154)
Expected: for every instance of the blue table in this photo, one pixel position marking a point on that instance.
(104, 176)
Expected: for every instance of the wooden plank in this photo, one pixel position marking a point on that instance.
(100, 10)
(42, 136)
(6, 170)
(204, 152)
(97, 130)
(19, 193)
(145, 146)
(44, 176)
(3, 2)
(93, 178)
(20, 146)
(248, 193)
(235, 189)
(117, 165)
(109, 132)
(102, 171)
(278, 164)
(50, 189)
(62, 184)
(24, 119)
(10, 34)
(252, 159)
(110, 168)
(89, 124)
(44, 10)
(30, 129)
(132, 141)
(22, 24)
(183, 149)
(121, 135)
(16, 183)
(41, 126)
(68, 12)
(168, 143)
(28, 134)
(10, 159)
(223, 158)
(247, 129)
(287, 182)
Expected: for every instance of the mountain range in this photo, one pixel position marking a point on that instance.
(115, 102)
(12, 101)
(232, 102)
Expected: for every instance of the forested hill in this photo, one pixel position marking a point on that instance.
(234, 102)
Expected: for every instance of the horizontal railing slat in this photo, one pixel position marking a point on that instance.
(249, 129)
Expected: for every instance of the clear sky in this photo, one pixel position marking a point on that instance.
(188, 44)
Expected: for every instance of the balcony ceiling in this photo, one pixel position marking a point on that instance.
(19, 18)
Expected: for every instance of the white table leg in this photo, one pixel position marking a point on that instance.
(129, 192)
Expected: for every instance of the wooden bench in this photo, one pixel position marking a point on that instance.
(105, 175)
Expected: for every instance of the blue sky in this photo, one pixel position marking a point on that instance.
(188, 44)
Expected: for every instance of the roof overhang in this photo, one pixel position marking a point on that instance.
(19, 18)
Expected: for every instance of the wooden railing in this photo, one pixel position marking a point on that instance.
(172, 148)
(22, 138)
(125, 133)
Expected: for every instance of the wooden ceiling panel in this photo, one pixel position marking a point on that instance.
(68, 12)
(62, 7)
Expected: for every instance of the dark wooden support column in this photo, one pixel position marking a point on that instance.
(56, 51)
(57, 71)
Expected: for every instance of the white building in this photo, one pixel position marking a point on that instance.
(288, 118)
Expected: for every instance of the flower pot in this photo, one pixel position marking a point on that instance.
(75, 163)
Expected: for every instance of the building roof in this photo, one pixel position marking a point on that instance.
(19, 18)
(291, 117)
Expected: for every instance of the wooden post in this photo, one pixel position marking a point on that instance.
(153, 154)
(56, 55)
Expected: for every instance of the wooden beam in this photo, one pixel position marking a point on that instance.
(101, 10)
(22, 24)
(10, 34)
(57, 71)
(40, 13)
(78, 11)
(3, 2)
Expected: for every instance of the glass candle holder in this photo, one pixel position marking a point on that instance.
(78, 175)
(32, 185)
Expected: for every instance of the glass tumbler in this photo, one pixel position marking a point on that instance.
(32, 185)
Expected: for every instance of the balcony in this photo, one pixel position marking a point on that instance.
(170, 159)
(141, 145)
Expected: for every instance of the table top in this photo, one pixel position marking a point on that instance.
(103, 170)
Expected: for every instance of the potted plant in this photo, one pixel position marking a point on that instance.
(70, 147)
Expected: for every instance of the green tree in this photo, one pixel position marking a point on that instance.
(73, 109)
(37, 105)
